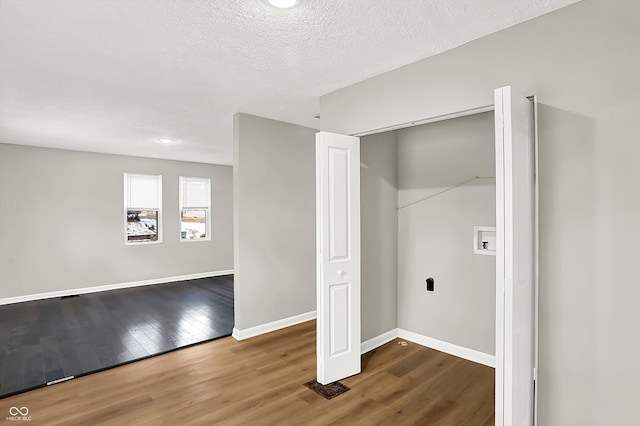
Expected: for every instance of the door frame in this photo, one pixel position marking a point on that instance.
(478, 110)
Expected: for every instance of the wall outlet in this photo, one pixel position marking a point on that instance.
(430, 284)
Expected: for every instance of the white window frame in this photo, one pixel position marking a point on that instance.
(127, 207)
(207, 207)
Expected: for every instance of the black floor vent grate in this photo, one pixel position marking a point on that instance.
(328, 391)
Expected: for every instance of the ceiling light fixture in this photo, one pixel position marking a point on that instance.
(283, 4)
(166, 141)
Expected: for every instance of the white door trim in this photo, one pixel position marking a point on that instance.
(536, 252)
(515, 260)
(449, 116)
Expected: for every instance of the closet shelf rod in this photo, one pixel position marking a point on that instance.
(445, 190)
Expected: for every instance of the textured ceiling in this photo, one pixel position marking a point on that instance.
(115, 76)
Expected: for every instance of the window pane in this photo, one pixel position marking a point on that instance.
(142, 225)
(193, 224)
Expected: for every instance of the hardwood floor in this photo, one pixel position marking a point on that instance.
(260, 382)
(50, 339)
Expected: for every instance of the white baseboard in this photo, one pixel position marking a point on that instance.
(375, 342)
(272, 326)
(449, 348)
(429, 342)
(85, 290)
(378, 341)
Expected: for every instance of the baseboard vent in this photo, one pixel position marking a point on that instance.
(69, 296)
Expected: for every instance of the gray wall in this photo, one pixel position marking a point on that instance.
(584, 63)
(62, 221)
(274, 220)
(436, 234)
(379, 233)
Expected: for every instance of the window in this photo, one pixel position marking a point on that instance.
(143, 208)
(195, 209)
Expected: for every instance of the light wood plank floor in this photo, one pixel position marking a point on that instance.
(260, 381)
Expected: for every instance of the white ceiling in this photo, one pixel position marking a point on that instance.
(115, 76)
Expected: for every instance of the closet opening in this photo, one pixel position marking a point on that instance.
(419, 222)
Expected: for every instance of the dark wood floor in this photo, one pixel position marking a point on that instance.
(46, 340)
(260, 381)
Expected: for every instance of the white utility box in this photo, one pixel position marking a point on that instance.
(484, 240)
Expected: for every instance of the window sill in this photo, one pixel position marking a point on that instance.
(141, 243)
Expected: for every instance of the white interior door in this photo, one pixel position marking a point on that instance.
(338, 254)
(514, 258)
